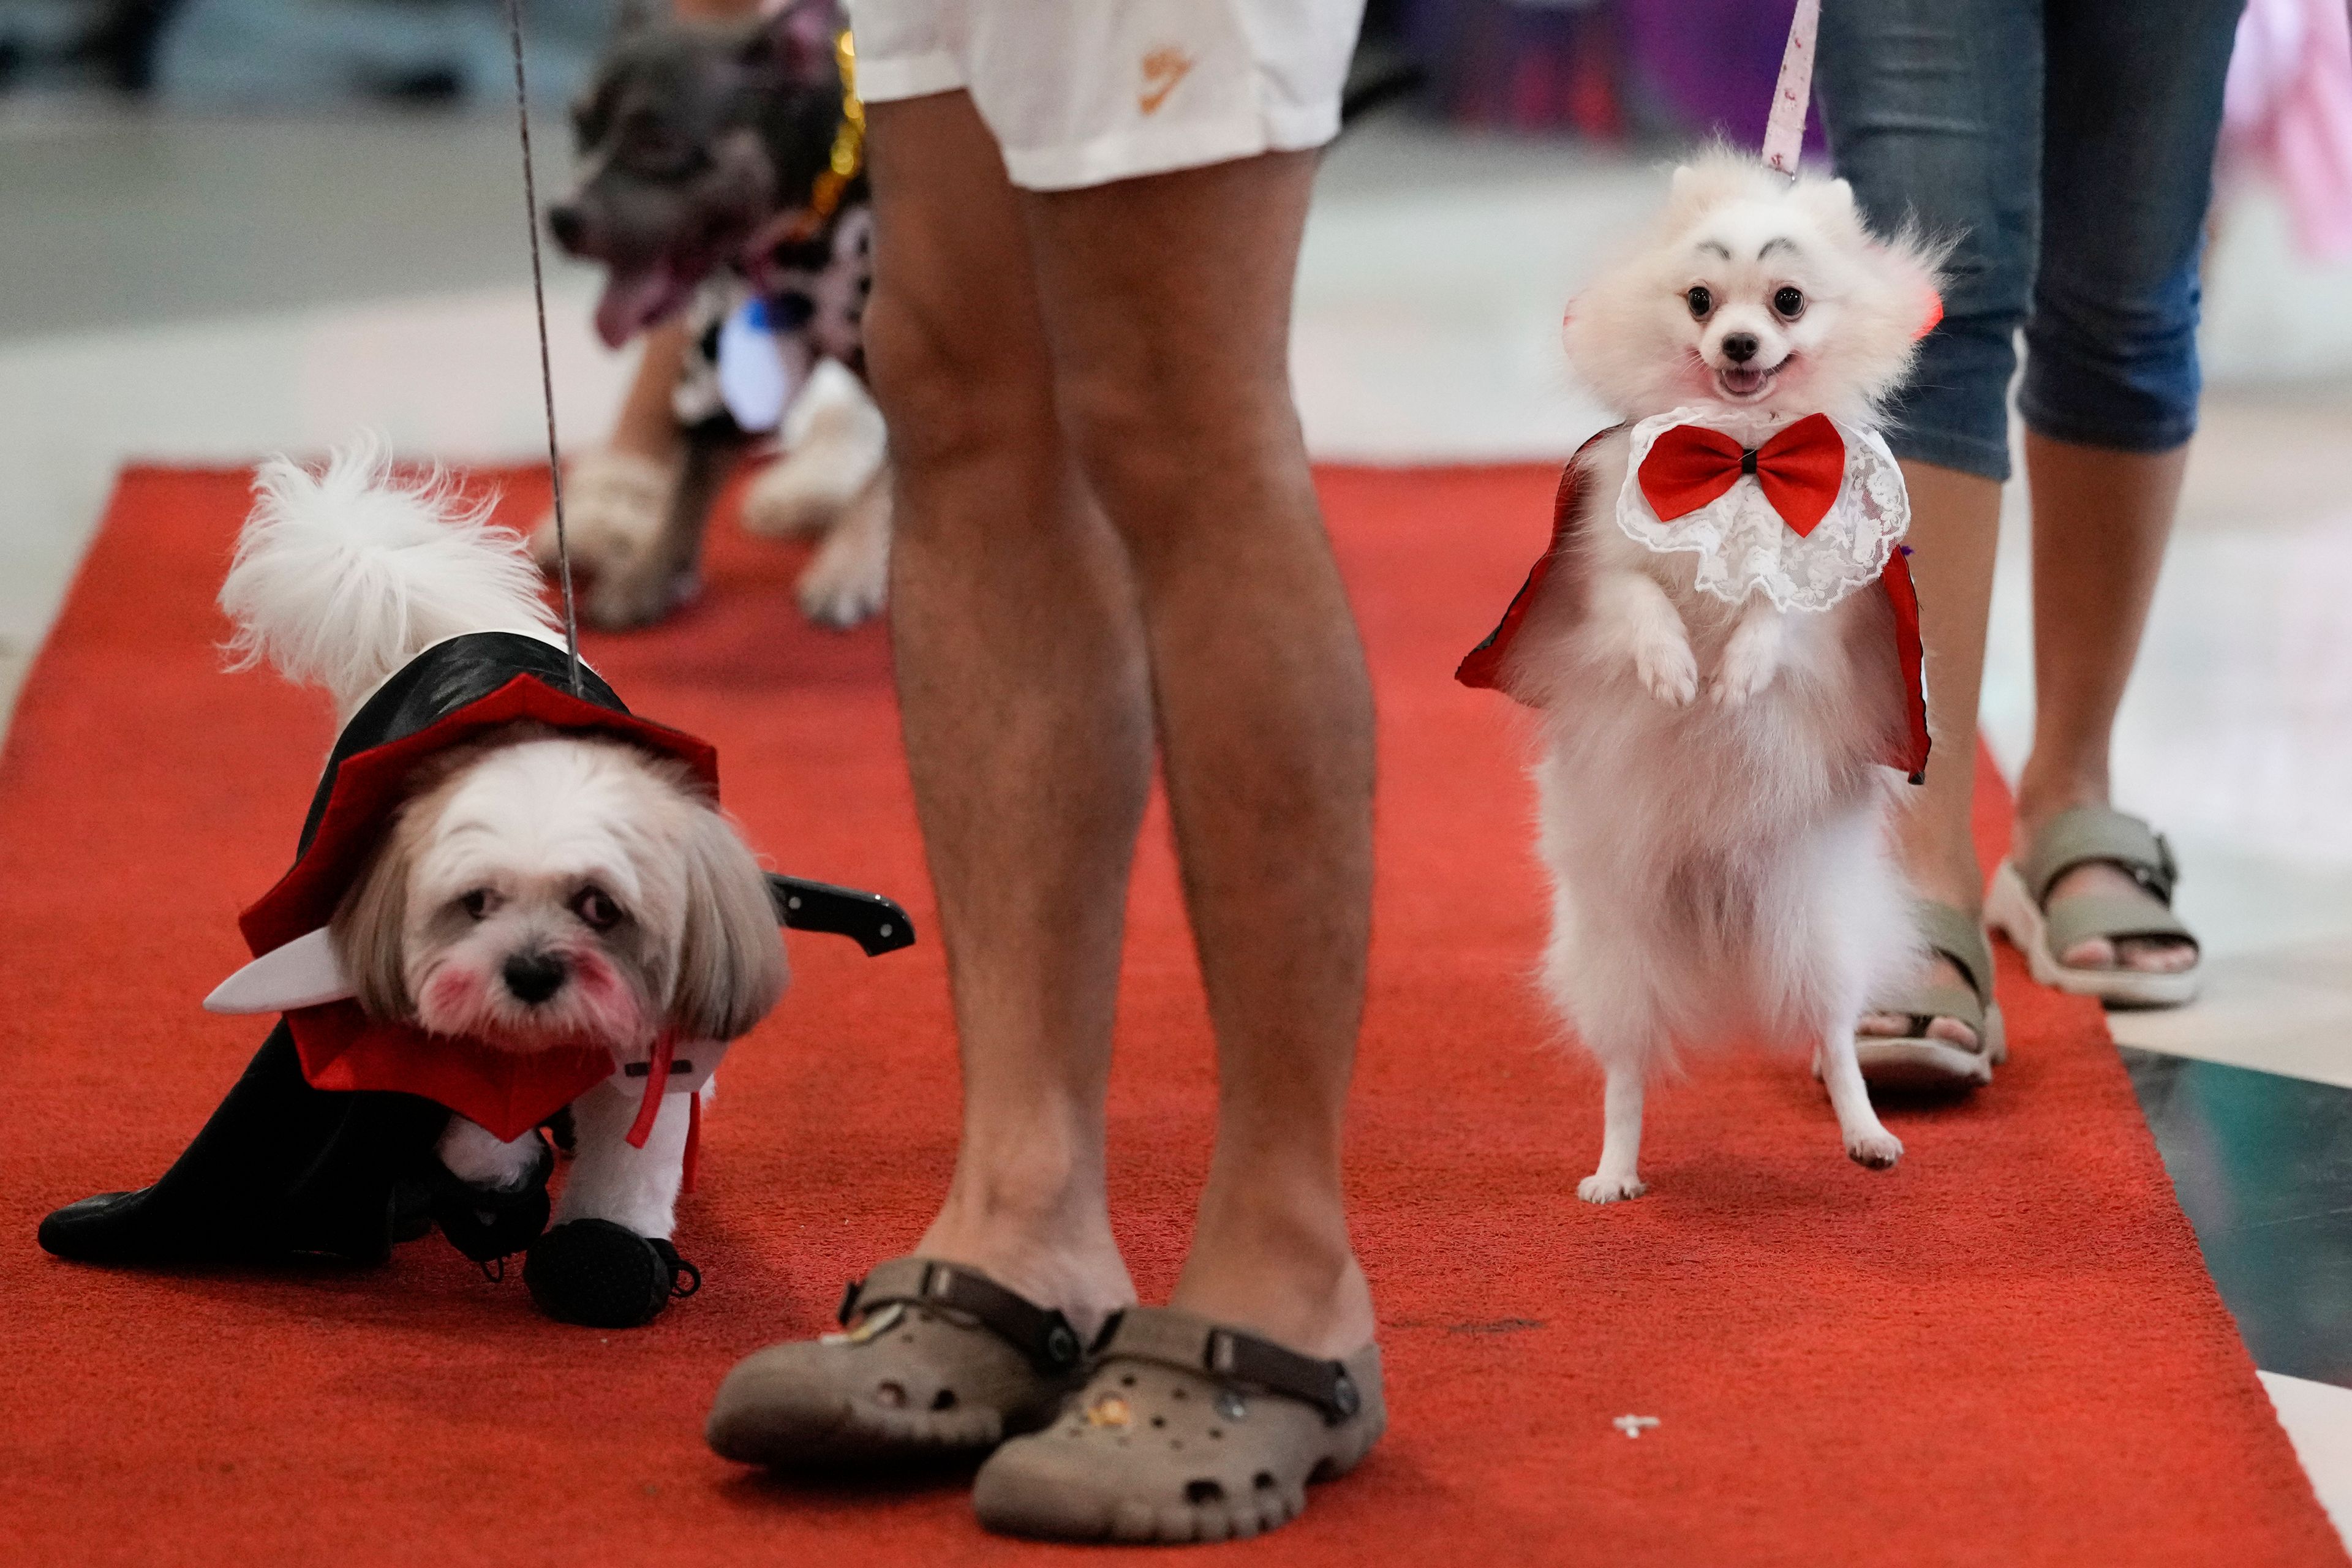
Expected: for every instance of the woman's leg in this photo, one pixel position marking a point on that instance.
(1167, 305)
(1934, 108)
(1022, 693)
(2111, 382)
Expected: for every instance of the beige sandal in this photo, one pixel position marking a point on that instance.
(2020, 906)
(1916, 1060)
(1187, 1431)
(935, 1359)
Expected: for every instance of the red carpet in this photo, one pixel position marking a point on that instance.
(2006, 1353)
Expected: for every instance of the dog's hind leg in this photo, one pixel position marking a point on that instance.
(1867, 1141)
(1619, 1173)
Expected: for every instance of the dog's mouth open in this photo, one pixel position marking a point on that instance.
(633, 302)
(1747, 382)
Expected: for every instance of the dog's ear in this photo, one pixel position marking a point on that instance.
(368, 929)
(730, 959)
(797, 41)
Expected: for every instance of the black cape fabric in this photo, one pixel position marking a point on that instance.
(283, 1168)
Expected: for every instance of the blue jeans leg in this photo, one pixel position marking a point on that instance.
(2128, 130)
(1934, 111)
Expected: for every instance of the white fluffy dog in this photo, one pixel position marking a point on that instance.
(1713, 797)
(536, 888)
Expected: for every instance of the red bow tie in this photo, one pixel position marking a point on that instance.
(1800, 470)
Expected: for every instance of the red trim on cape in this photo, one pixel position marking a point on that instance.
(370, 784)
(506, 1092)
(1484, 666)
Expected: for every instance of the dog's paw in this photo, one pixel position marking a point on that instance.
(625, 601)
(1667, 668)
(842, 588)
(1879, 1150)
(1601, 1188)
(604, 1276)
(1750, 660)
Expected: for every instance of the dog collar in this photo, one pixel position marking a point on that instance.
(1804, 512)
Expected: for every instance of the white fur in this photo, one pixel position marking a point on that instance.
(583, 856)
(1713, 811)
(342, 575)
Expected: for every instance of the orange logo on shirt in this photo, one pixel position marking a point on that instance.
(1162, 69)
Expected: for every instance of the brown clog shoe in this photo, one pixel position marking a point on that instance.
(1187, 1431)
(935, 1359)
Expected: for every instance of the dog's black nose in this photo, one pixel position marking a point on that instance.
(564, 221)
(533, 978)
(1739, 347)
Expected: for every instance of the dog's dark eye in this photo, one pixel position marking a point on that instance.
(475, 903)
(596, 910)
(1702, 301)
(1789, 302)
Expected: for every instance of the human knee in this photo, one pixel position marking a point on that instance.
(953, 385)
(1151, 439)
(2113, 367)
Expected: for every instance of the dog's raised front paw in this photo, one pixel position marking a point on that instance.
(1603, 1188)
(1750, 660)
(1667, 668)
(1878, 1149)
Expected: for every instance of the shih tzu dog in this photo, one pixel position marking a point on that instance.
(544, 889)
(1722, 642)
(515, 910)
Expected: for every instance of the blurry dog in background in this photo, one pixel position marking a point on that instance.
(720, 178)
(1713, 791)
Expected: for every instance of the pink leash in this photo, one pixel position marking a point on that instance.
(1784, 130)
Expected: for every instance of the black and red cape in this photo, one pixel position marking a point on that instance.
(327, 1142)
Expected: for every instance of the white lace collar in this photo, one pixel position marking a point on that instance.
(1743, 546)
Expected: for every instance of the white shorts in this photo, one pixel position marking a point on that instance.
(1083, 92)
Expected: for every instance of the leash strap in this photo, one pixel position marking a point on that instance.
(1784, 130)
(546, 374)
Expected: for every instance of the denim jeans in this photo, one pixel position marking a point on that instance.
(2066, 147)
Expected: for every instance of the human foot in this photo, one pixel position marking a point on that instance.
(1190, 1429)
(1289, 1276)
(2148, 954)
(1940, 972)
(2086, 896)
(1943, 1030)
(936, 1359)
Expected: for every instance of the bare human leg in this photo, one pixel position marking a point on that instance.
(1954, 531)
(2101, 519)
(1024, 701)
(1167, 308)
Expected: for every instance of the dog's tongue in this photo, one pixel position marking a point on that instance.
(629, 305)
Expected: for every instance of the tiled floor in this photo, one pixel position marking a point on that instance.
(210, 290)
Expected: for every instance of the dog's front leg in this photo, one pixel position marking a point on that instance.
(1751, 655)
(1631, 610)
(477, 1159)
(634, 1189)
(606, 1261)
(1618, 1175)
(1867, 1141)
(849, 575)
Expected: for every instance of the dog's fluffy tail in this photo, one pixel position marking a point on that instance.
(344, 573)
